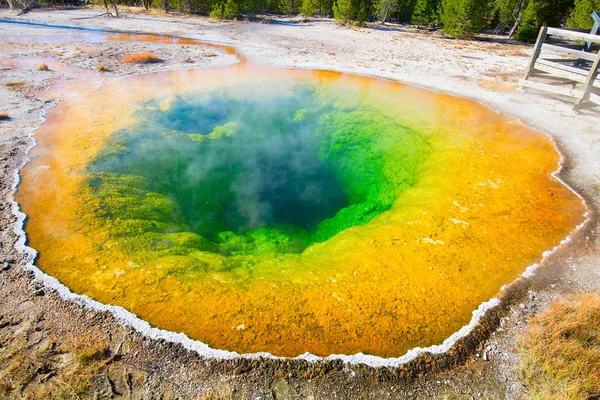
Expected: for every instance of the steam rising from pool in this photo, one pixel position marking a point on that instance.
(253, 175)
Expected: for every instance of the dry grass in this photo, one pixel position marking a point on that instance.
(4, 116)
(103, 68)
(14, 84)
(463, 78)
(43, 67)
(141, 58)
(503, 75)
(495, 86)
(18, 86)
(157, 12)
(560, 353)
(515, 51)
(188, 60)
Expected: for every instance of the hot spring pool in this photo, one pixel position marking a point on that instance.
(285, 211)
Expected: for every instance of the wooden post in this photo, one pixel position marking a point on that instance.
(589, 83)
(536, 51)
(595, 29)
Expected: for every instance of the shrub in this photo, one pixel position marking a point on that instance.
(102, 68)
(581, 16)
(560, 352)
(141, 58)
(43, 67)
(463, 18)
(14, 84)
(4, 116)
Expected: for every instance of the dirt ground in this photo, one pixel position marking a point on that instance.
(53, 348)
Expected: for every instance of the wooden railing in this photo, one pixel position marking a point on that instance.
(575, 72)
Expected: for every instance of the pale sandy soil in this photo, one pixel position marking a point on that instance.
(42, 338)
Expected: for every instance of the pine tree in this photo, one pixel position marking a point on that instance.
(232, 9)
(506, 12)
(308, 7)
(228, 9)
(540, 13)
(425, 13)
(463, 18)
(342, 10)
(581, 16)
(404, 10)
(324, 7)
(361, 15)
(531, 21)
(384, 9)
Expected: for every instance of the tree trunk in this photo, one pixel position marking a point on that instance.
(165, 5)
(10, 4)
(188, 6)
(116, 9)
(146, 4)
(522, 7)
(29, 7)
(106, 6)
